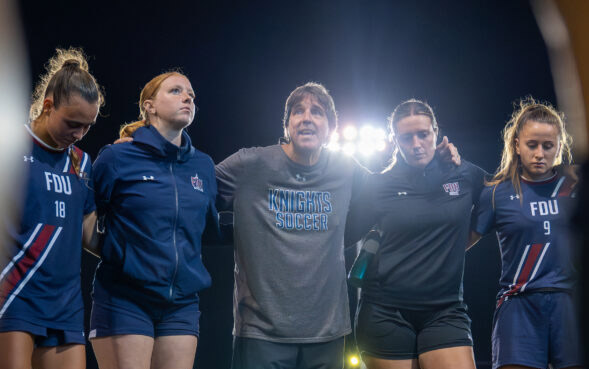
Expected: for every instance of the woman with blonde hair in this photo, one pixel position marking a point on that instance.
(154, 195)
(41, 307)
(528, 203)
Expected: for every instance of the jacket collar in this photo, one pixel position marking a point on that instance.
(149, 137)
(431, 166)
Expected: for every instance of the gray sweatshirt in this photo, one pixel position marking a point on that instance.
(289, 220)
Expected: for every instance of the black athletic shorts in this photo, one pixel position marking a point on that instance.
(251, 353)
(394, 334)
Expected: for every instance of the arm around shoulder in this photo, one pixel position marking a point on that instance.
(362, 212)
(228, 173)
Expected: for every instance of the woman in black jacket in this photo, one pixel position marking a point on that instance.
(411, 312)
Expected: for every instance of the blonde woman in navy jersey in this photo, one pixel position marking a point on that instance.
(41, 308)
(528, 203)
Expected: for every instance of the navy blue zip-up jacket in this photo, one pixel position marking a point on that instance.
(154, 199)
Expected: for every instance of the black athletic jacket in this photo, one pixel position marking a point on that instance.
(424, 215)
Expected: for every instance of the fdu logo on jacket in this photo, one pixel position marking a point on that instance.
(453, 189)
(196, 182)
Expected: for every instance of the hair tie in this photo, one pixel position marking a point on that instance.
(71, 63)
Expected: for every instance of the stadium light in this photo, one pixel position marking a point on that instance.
(350, 133)
(349, 148)
(364, 141)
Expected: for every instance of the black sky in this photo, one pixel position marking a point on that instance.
(469, 59)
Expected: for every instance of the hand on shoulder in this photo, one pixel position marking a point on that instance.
(447, 152)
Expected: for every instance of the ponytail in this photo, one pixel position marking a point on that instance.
(66, 74)
(128, 129)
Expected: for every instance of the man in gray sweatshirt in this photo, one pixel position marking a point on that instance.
(290, 203)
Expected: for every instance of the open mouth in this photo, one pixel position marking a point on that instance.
(306, 132)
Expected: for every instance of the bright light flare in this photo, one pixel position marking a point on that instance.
(366, 132)
(370, 132)
(380, 145)
(366, 147)
(365, 141)
(354, 360)
(349, 148)
(380, 134)
(334, 146)
(350, 133)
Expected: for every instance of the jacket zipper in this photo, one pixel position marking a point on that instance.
(174, 231)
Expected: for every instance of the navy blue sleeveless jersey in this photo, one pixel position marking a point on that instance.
(155, 199)
(40, 279)
(533, 234)
(424, 216)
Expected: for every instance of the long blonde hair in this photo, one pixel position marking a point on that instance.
(529, 109)
(66, 74)
(148, 92)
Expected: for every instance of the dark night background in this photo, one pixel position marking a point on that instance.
(469, 60)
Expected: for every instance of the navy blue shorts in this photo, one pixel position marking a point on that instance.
(251, 353)
(113, 314)
(390, 333)
(43, 336)
(537, 328)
